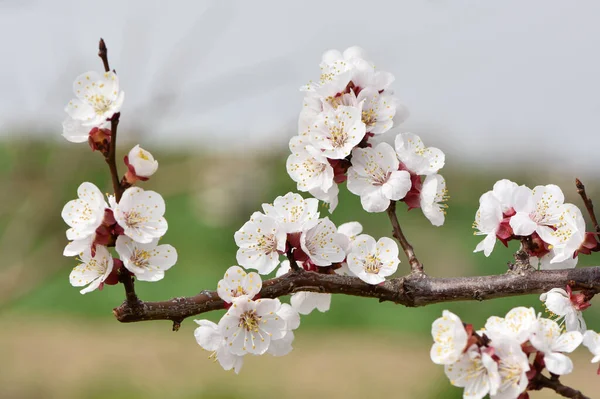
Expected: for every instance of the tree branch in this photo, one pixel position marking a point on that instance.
(588, 205)
(415, 265)
(541, 381)
(411, 290)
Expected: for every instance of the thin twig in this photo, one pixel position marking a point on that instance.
(541, 381)
(103, 54)
(411, 290)
(588, 205)
(415, 265)
(132, 299)
(293, 264)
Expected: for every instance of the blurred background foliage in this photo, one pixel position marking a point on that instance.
(56, 343)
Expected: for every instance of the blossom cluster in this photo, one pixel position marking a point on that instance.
(135, 224)
(552, 231)
(350, 104)
(501, 359)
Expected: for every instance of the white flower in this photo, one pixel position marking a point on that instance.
(336, 132)
(504, 191)
(432, 199)
(209, 337)
(330, 197)
(293, 213)
(308, 167)
(249, 326)
(140, 214)
(260, 241)
(93, 270)
(75, 132)
(375, 177)
(373, 261)
(487, 222)
(142, 162)
(237, 282)
(98, 98)
(537, 210)
(558, 301)
(545, 262)
(518, 325)
(547, 338)
(85, 214)
(450, 339)
(306, 302)
(591, 340)
(283, 346)
(378, 110)
(512, 367)
(323, 244)
(476, 372)
(350, 230)
(76, 247)
(416, 157)
(147, 261)
(569, 234)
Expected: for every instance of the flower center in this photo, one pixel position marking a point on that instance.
(249, 321)
(369, 117)
(134, 218)
(140, 258)
(338, 136)
(373, 264)
(268, 243)
(143, 156)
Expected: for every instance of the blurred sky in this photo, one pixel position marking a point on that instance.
(489, 81)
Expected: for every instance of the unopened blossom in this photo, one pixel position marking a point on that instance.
(85, 214)
(537, 210)
(518, 325)
(373, 261)
(475, 371)
(450, 339)
(305, 302)
(375, 177)
(513, 366)
(98, 98)
(549, 339)
(417, 158)
(293, 213)
(93, 269)
(283, 345)
(140, 214)
(558, 301)
(209, 337)
(236, 282)
(249, 326)
(140, 163)
(487, 222)
(147, 261)
(433, 199)
(336, 132)
(308, 167)
(323, 244)
(260, 240)
(591, 340)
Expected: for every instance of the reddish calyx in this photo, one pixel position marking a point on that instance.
(99, 140)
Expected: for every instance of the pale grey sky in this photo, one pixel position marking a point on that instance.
(486, 80)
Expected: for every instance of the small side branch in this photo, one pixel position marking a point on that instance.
(415, 265)
(541, 381)
(588, 205)
(103, 54)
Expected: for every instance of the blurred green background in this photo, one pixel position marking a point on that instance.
(57, 343)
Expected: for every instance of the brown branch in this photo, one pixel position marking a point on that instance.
(126, 278)
(114, 124)
(415, 265)
(411, 290)
(293, 264)
(588, 205)
(541, 381)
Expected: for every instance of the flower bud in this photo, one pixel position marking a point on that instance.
(99, 140)
(141, 165)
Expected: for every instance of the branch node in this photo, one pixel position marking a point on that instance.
(176, 325)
